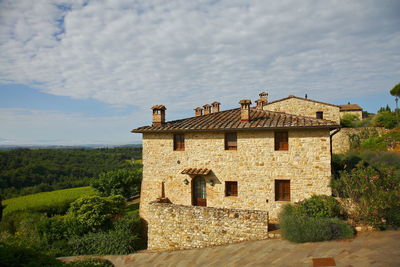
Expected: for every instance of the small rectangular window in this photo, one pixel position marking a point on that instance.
(230, 141)
(282, 190)
(179, 142)
(281, 141)
(231, 189)
(320, 115)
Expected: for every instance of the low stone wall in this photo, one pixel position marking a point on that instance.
(341, 142)
(173, 226)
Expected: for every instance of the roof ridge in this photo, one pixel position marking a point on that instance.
(301, 98)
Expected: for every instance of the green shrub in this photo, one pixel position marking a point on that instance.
(122, 239)
(320, 206)
(349, 121)
(125, 182)
(96, 212)
(355, 139)
(22, 256)
(376, 193)
(90, 262)
(299, 228)
(389, 120)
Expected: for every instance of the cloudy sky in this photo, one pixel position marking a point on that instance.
(75, 72)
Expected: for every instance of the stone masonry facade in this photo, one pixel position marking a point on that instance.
(173, 226)
(255, 165)
(356, 113)
(302, 107)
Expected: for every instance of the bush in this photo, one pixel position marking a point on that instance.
(122, 239)
(320, 206)
(389, 120)
(21, 256)
(96, 212)
(350, 121)
(125, 182)
(356, 138)
(299, 228)
(376, 193)
(90, 262)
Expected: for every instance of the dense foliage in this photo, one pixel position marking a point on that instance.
(375, 191)
(28, 171)
(125, 182)
(55, 202)
(312, 221)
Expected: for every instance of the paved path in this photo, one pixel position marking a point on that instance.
(368, 249)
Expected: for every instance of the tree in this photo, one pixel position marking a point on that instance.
(125, 182)
(395, 91)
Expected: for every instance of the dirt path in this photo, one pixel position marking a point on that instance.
(368, 249)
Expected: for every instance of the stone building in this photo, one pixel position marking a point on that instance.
(250, 160)
(352, 109)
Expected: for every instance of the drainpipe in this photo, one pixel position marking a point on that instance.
(331, 137)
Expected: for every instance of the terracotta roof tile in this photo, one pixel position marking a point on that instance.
(196, 171)
(350, 107)
(301, 98)
(230, 120)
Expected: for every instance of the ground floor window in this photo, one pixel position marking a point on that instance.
(282, 190)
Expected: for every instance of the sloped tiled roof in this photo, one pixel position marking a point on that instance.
(301, 98)
(230, 120)
(196, 171)
(350, 107)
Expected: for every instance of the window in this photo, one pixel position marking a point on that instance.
(230, 141)
(320, 115)
(281, 141)
(179, 142)
(282, 190)
(231, 189)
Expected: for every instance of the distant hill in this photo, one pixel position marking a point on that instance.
(10, 147)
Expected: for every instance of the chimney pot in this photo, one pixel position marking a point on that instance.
(207, 109)
(262, 101)
(158, 115)
(215, 106)
(245, 110)
(198, 111)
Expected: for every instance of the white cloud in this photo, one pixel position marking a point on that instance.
(187, 53)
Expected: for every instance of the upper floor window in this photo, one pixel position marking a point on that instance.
(231, 189)
(282, 190)
(281, 141)
(230, 141)
(179, 142)
(319, 115)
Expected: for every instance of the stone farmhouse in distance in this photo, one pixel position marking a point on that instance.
(248, 160)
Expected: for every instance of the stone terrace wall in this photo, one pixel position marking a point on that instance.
(173, 226)
(341, 142)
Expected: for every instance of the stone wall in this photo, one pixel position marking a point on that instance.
(178, 227)
(255, 165)
(341, 141)
(305, 108)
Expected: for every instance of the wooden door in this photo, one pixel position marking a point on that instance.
(199, 191)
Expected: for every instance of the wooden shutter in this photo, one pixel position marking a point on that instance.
(282, 190)
(281, 141)
(231, 189)
(230, 141)
(179, 142)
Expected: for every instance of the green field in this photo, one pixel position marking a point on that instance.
(58, 199)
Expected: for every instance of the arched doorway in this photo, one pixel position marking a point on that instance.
(199, 197)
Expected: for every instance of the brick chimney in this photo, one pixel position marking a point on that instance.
(262, 101)
(158, 115)
(198, 111)
(245, 110)
(215, 106)
(207, 109)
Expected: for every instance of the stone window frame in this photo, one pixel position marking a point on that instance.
(228, 141)
(179, 142)
(281, 140)
(319, 115)
(231, 189)
(282, 190)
